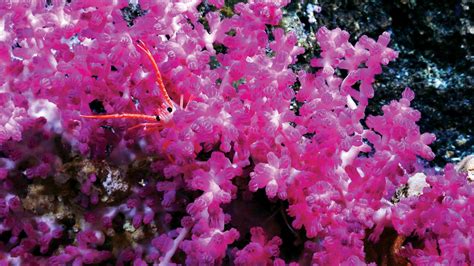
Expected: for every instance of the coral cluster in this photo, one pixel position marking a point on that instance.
(239, 121)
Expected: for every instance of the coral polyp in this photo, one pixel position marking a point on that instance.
(252, 155)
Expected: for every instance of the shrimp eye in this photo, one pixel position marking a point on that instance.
(157, 118)
(169, 109)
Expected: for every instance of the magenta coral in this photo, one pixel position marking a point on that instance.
(259, 251)
(184, 116)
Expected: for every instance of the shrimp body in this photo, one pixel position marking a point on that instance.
(164, 113)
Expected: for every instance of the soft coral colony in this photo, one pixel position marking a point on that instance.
(236, 114)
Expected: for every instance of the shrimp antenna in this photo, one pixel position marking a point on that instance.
(159, 79)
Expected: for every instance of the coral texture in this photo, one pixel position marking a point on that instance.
(143, 133)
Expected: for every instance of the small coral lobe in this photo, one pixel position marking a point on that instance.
(274, 161)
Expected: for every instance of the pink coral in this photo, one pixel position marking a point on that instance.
(12, 118)
(259, 251)
(210, 102)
